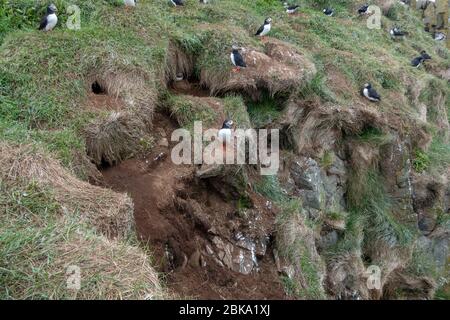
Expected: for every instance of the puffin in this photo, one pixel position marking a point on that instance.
(50, 19)
(264, 29)
(225, 132)
(416, 62)
(177, 3)
(363, 9)
(370, 93)
(129, 3)
(328, 12)
(439, 36)
(397, 33)
(237, 59)
(291, 9)
(204, 1)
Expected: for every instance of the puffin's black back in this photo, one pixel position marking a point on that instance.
(43, 22)
(238, 59)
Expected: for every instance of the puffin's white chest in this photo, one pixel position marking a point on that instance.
(368, 96)
(130, 3)
(225, 135)
(52, 20)
(232, 58)
(266, 29)
(366, 93)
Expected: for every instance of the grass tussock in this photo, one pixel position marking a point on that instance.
(110, 213)
(296, 244)
(39, 243)
(116, 137)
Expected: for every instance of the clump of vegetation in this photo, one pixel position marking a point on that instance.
(187, 110)
(264, 112)
(39, 243)
(295, 243)
(421, 161)
(269, 187)
(327, 160)
(374, 136)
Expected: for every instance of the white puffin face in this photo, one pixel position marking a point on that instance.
(52, 8)
(229, 123)
(367, 85)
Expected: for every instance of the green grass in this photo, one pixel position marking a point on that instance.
(421, 161)
(307, 284)
(33, 264)
(269, 187)
(44, 85)
(187, 112)
(327, 160)
(374, 136)
(264, 112)
(235, 109)
(367, 198)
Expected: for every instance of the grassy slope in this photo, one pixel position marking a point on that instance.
(43, 77)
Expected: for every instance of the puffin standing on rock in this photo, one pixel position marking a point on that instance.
(50, 19)
(264, 29)
(237, 59)
(370, 93)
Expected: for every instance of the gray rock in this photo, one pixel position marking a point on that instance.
(328, 240)
(307, 176)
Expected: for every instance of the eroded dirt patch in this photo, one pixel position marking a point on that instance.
(193, 226)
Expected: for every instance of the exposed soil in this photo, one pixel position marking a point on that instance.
(178, 215)
(189, 87)
(104, 102)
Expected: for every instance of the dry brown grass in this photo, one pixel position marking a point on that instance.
(316, 126)
(280, 69)
(134, 87)
(177, 62)
(296, 244)
(108, 212)
(109, 269)
(116, 137)
(346, 277)
(122, 133)
(411, 287)
(389, 259)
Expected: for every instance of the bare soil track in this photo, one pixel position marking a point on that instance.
(160, 191)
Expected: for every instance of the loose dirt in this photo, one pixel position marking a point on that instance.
(178, 215)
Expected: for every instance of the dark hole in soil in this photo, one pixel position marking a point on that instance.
(104, 165)
(97, 88)
(366, 259)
